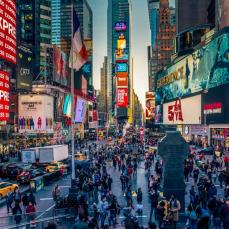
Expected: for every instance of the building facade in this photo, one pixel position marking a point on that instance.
(118, 11)
(191, 13)
(161, 53)
(56, 22)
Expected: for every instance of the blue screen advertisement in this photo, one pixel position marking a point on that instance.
(205, 68)
(121, 67)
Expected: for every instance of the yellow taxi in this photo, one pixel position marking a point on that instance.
(55, 166)
(5, 187)
(80, 157)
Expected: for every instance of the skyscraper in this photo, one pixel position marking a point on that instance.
(56, 22)
(118, 11)
(34, 27)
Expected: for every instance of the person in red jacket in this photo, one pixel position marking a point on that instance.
(30, 211)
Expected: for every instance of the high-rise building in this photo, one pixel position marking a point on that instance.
(161, 53)
(34, 28)
(56, 22)
(191, 13)
(118, 13)
(102, 105)
(153, 6)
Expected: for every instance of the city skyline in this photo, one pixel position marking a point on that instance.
(140, 26)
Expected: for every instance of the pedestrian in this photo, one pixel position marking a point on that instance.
(9, 201)
(139, 200)
(109, 181)
(25, 202)
(174, 208)
(56, 193)
(17, 212)
(192, 216)
(203, 218)
(17, 195)
(103, 211)
(153, 203)
(30, 212)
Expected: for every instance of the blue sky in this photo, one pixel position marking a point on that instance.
(140, 41)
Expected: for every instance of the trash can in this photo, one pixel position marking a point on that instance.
(37, 184)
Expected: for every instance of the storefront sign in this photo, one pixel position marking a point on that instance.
(4, 96)
(205, 68)
(8, 30)
(122, 97)
(213, 108)
(184, 111)
(35, 113)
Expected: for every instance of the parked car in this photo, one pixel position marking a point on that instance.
(14, 169)
(5, 187)
(26, 176)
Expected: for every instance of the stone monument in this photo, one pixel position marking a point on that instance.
(174, 150)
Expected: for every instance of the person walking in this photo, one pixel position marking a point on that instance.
(32, 199)
(17, 213)
(153, 203)
(17, 195)
(109, 181)
(139, 200)
(174, 208)
(25, 202)
(9, 201)
(103, 210)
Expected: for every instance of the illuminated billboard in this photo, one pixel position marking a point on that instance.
(81, 107)
(67, 108)
(205, 68)
(122, 97)
(4, 96)
(121, 55)
(122, 79)
(24, 66)
(120, 26)
(35, 113)
(121, 43)
(121, 67)
(60, 66)
(8, 30)
(150, 106)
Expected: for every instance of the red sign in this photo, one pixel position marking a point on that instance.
(4, 96)
(122, 97)
(213, 108)
(95, 116)
(175, 112)
(122, 79)
(8, 30)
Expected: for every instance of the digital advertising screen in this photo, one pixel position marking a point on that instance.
(120, 26)
(67, 108)
(4, 96)
(205, 68)
(81, 108)
(150, 106)
(121, 67)
(122, 97)
(8, 31)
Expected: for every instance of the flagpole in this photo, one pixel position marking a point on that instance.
(73, 99)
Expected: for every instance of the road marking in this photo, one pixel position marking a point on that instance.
(65, 186)
(137, 216)
(38, 217)
(49, 198)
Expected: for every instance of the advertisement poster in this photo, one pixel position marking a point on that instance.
(159, 114)
(204, 69)
(4, 96)
(60, 66)
(183, 111)
(81, 108)
(67, 108)
(150, 106)
(121, 67)
(35, 113)
(8, 30)
(120, 26)
(121, 55)
(122, 97)
(24, 66)
(122, 79)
